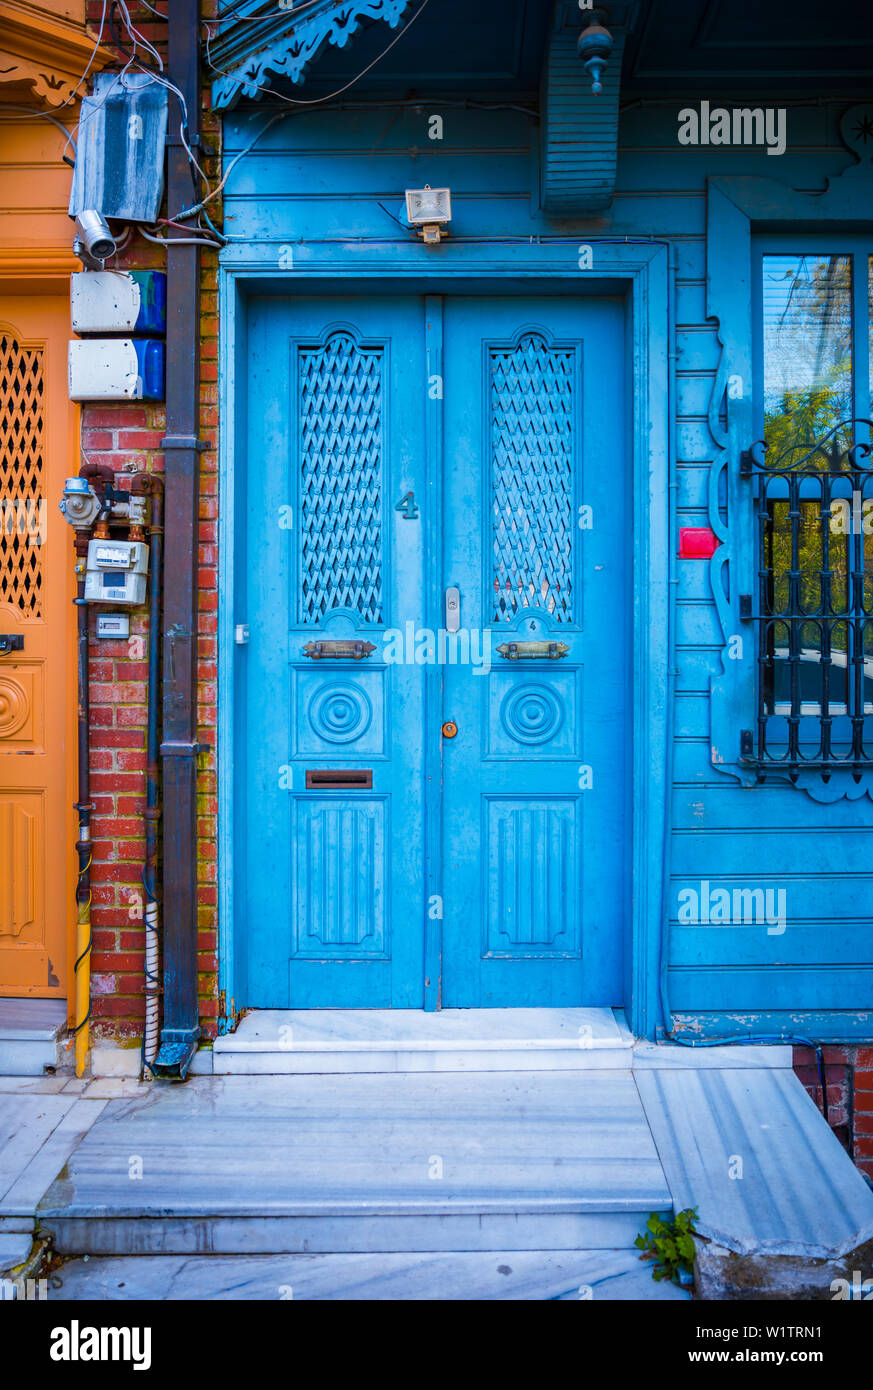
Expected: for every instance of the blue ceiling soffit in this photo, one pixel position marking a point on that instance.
(120, 152)
(579, 129)
(260, 45)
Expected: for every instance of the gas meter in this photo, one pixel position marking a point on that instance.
(116, 572)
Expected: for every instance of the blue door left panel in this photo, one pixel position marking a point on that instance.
(333, 873)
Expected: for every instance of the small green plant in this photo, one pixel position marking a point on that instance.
(669, 1244)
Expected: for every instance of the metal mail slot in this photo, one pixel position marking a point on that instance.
(527, 651)
(346, 648)
(339, 777)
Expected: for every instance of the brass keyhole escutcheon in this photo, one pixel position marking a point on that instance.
(450, 728)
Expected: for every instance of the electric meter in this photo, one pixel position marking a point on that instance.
(116, 572)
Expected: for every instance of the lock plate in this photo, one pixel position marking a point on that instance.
(453, 609)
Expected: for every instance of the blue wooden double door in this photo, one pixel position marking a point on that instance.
(433, 753)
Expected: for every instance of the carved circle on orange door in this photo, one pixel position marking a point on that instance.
(340, 712)
(531, 713)
(13, 706)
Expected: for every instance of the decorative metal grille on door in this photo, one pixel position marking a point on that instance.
(532, 423)
(22, 460)
(341, 453)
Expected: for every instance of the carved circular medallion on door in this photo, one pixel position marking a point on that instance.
(532, 713)
(340, 712)
(14, 706)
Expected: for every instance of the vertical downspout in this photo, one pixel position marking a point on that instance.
(182, 447)
(82, 968)
(152, 483)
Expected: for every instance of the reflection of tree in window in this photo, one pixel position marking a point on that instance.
(809, 562)
(807, 348)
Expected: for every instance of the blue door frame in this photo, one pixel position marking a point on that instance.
(642, 272)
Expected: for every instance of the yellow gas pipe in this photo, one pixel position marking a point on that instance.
(82, 968)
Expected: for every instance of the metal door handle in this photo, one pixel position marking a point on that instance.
(11, 642)
(527, 651)
(453, 609)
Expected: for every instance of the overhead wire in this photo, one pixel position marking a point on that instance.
(280, 115)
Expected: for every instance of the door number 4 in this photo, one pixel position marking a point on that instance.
(406, 506)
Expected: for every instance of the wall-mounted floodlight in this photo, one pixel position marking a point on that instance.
(429, 210)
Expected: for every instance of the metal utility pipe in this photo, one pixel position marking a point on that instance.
(82, 968)
(179, 747)
(143, 484)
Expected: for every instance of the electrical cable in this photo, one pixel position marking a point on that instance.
(46, 116)
(135, 33)
(268, 14)
(178, 240)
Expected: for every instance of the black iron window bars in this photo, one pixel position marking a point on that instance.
(814, 610)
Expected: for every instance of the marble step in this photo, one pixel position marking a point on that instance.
(486, 1276)
(31, 1032)
(363, 1163)
(287, 1041)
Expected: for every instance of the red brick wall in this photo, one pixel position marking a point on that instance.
(127, 437)
(849, 1080)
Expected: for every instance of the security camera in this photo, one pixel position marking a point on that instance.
(94, 241)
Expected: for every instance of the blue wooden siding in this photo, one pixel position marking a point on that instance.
(324, 175)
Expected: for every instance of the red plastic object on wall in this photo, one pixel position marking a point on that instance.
(697, 542)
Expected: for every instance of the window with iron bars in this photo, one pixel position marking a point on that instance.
(812, 482)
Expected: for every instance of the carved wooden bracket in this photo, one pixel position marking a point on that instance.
(248, 54)
(43, 56)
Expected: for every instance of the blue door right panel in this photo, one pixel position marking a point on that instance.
(535, 882)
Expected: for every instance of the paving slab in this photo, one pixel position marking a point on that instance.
(38, 1132)
(751, 1151)
(598, 1275)
(26, 1122)
(15, 1247)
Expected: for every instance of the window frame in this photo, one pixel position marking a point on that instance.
(743, 210)
(858, 250)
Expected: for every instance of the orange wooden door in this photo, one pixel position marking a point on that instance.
(37, 683)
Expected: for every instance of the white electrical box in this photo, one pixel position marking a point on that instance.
(113, 625)
(119, 301)
(116, 572)
(112, 369)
